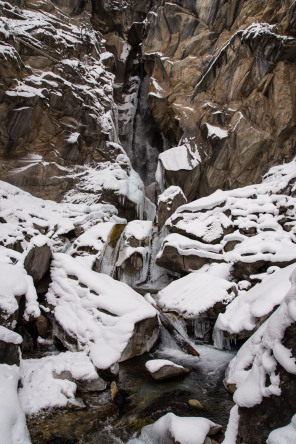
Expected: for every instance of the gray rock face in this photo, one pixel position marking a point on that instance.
(37, 262)
(168, 202)
(144, 336)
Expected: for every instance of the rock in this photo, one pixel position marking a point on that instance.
(113, 390)
(9, 346)
(195, 403)
(144, 337)
(37, 261)
(200, 47)
(161, 369)
(92, 385)
(171, 199)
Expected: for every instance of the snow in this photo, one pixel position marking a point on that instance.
(262, 352)
(37, 377)
(183, 430)
(232, 427)
(96, 311)
(10, 336)
(177, 158)
(170, 193)
(242, 313)
(156, 364)
(13, 427)
(138, 229)
(14, 283)
(283, 435)
(194, 294)
(216, 131)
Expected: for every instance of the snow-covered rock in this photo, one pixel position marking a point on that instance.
(195, 294)
(52, 381)
(264, 372)
(172, 198)
(173, 429)
(251, 307)
(251, 227)
(95, 313)
(283, 435)
(164, 369)
(9, 346)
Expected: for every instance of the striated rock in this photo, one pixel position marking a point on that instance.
(238, 59)
(161, 369)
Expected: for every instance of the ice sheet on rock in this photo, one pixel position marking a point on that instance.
(98, 312)
(14, 283)
(41, 390)
(262, 352)
(242, 313)
(13, 427)
(194, 294)
(184, 430)
(283, 435)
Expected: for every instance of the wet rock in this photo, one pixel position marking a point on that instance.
(9, 346)
(94, 385)
(161, 369)
(37, 261)
(195, 403)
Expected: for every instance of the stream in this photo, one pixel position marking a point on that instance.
(141, 400)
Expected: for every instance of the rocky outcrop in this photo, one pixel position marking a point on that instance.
(224, 85)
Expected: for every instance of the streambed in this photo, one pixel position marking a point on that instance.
(141, 400)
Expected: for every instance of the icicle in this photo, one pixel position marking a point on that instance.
(220, 341)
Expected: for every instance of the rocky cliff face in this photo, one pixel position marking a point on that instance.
(221, 80)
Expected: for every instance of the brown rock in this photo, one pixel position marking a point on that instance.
(37, 261)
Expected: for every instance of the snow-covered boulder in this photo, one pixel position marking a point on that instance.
(203, 293)
(252, 227)
(264, 372)
(52, 381)
(173, 429)
(38, 258)
(95, 313)
(179, 166)
(14, 284)
(251, 307)
(283, 435)
(164, 369)
(171, 199)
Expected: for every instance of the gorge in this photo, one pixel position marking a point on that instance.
(147, 221)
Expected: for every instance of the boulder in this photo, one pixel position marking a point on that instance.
(9, 346)
(161, 369)
(168, 202)
(37, 261)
